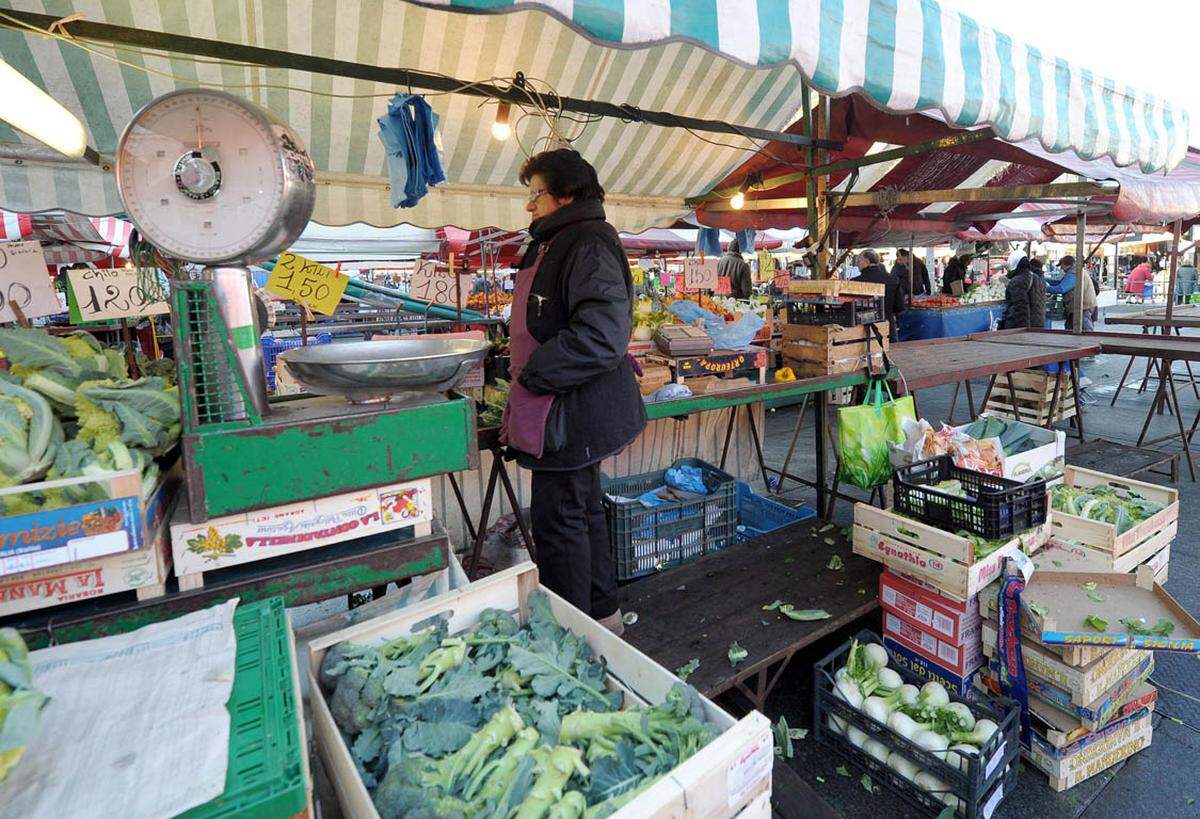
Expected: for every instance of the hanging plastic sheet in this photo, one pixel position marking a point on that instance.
(408, 132)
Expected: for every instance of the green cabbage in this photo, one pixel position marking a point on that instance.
(1124, 509)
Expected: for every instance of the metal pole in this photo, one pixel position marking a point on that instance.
(1174, 268)
(1116, 262)
(1080, 252)
(912, 263)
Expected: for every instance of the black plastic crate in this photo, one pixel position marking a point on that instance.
(996, 508)
(645, 540)
(989, 776)
(856, 310)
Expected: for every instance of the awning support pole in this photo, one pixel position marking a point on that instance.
(1080, 247)
(1174, 268)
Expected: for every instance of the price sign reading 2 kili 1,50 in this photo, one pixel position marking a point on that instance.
(307, 282)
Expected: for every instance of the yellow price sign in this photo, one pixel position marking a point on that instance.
(638, 276)
(307, 282)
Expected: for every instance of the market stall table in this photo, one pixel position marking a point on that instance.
(1155, 319)
(302, 577)
(694, 612)
(918, 322)
(951, 361)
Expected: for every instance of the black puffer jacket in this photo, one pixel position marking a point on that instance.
(581, 313)
(1024, 299)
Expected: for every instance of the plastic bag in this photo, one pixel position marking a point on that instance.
(865, 431)
(725, 335)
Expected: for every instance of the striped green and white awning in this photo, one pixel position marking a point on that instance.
(732, 60)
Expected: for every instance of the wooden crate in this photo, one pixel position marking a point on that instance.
(825, 349)
(1144, 540)
(835, 288)
(1034, 392)
(937, 558)
(1096, 755)
(727, 778)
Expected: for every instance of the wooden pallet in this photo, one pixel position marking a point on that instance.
(835, 288)
(1034, 392)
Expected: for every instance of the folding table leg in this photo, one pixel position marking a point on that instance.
(1183, 438)
(1078, 401)
(1121, 384)
(970, 399)
(462, 506)
(758, 451)
(515, 504)
(484, 514)
(953, 401)
(1150, 412)
(787, 459)
(728, 435)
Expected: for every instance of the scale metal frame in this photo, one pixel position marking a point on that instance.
(241, 451)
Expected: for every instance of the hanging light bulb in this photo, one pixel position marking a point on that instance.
(738, 201)
(28, 108)
(500, 128)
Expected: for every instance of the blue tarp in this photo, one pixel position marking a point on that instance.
(920, 324)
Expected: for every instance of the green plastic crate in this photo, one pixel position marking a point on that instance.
(266, 774)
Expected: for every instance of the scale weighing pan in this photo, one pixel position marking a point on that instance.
(374, 371)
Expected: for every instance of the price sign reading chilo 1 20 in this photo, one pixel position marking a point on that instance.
(104, 295)
(307, 282)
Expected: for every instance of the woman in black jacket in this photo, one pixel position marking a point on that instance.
(1024, 296)
(574, 398)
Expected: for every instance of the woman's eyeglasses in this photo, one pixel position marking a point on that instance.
(535, 195)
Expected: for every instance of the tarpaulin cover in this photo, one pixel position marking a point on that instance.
(923, 324)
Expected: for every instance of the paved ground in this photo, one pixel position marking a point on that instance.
(1157, 782)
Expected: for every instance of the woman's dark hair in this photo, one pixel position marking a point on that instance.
(567, 174)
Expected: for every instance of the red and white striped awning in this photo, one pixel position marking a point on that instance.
(68, 238)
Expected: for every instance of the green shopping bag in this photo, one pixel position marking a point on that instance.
(864, 432)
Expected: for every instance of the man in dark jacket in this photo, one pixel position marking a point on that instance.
(1024, 296)
(956, 271)
(873, 272)
(920, 278)
(737, 270)
(579, 312)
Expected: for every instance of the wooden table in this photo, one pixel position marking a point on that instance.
(1161, 354)
(695, 611)
(303, 577)
(924, 364)
(1183, 315)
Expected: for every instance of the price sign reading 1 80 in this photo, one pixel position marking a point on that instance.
(307, 282)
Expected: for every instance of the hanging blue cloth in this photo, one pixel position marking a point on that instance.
(407, 133)
(745, 240)
(708, 241)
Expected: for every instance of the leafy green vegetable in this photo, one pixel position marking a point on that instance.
(1095, 596)
(685, 671)
(494, 400)
(20, 703)
(1095, 622)
(737, 653)
(1089, 586)
(1122, 508)
(1038, 608)
(773, 605)
(505, 721)
(803, 614)
(1162, 628)
(835, 563)
(868, 786)
(841, 771)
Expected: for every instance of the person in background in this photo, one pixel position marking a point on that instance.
(1024, 295)
(737, 270)
(1185, 283)
(920, 273)
(574, 398)
(1066, 286)
(956, 271)
(872, 271)
(1135, 285)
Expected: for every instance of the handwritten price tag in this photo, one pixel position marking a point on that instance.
(434, 284)
(700, 274)
(25, 282)
(103, 295)
(307, 282)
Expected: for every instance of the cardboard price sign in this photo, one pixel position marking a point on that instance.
(307, 282)
(103, 295)
(25, 282)
(700, 274)
(434, 284)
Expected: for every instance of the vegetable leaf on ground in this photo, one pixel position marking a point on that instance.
(835, 563)
(737, 653)
(1162, 628)
(685, 671)
(1097, 623)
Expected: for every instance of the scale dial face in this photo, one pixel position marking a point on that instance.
(208, 177)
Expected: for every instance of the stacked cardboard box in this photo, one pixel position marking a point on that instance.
(938, 637)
